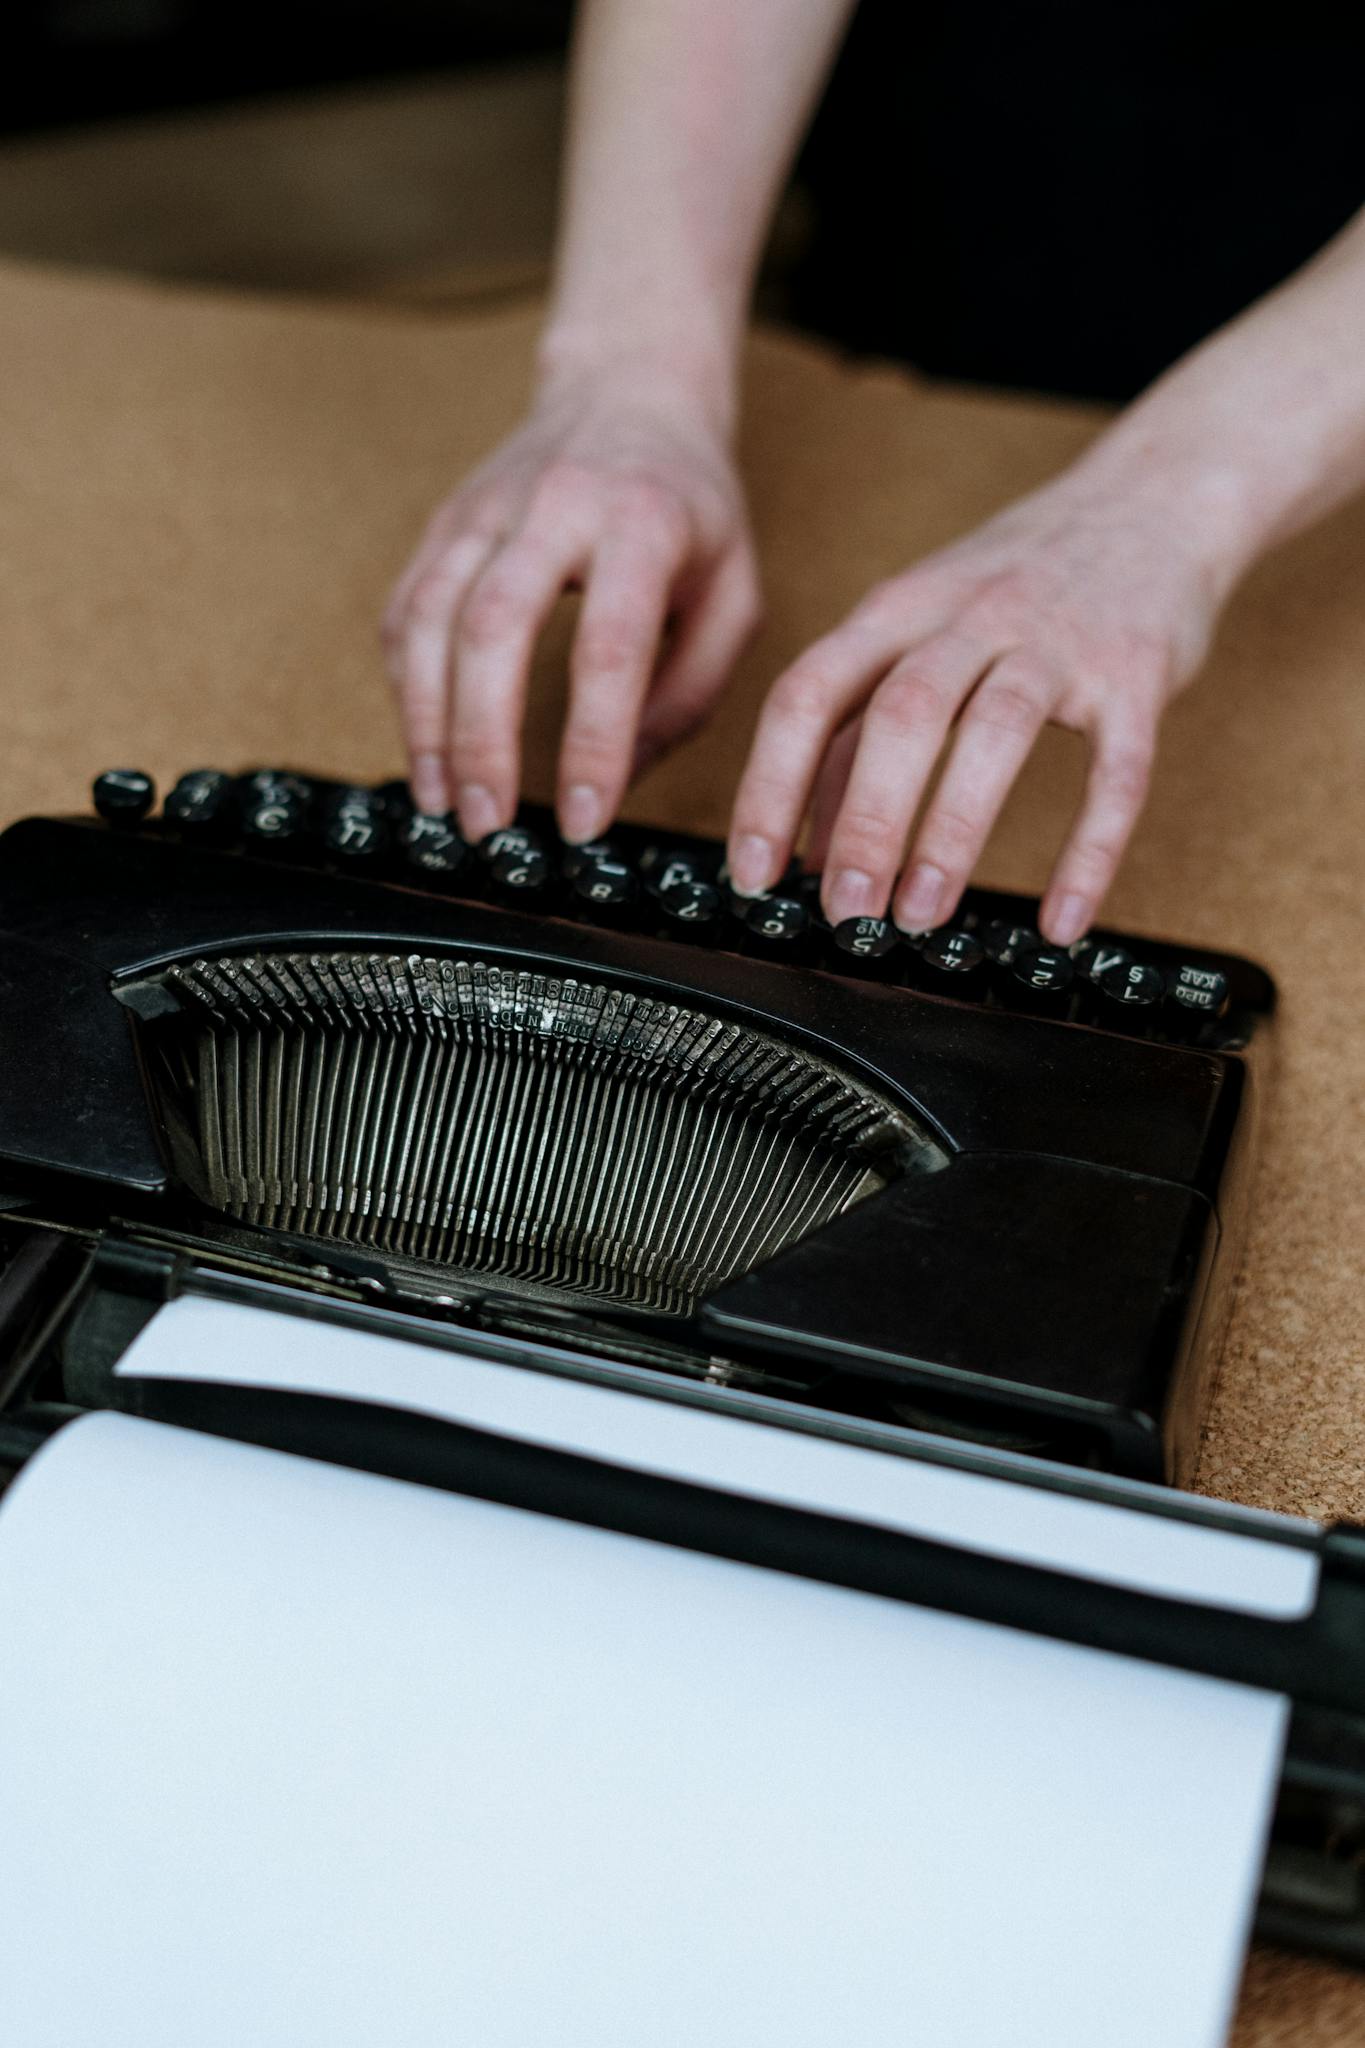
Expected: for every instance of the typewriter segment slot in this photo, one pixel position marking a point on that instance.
(559, 1133)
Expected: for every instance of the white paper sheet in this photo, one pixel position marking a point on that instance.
(298, 1757)
(236, 1345)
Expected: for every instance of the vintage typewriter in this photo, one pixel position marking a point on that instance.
(960, 1194)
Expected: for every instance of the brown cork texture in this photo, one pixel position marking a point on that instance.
(202, 501)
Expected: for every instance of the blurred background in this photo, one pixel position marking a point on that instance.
(1054, 196)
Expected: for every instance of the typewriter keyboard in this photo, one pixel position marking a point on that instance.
(674, 886)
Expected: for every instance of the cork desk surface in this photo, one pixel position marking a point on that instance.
(203, 499)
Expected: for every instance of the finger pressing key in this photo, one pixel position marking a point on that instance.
(803, 709)
(614, 653)
(495, 635)
(999, 726)
(417, 634)
(903, 729)
(1120, 769)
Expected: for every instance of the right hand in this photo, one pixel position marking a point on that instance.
(620, 481)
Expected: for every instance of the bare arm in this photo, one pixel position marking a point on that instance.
(684, 117)
(1270, 412)
(1088, 604)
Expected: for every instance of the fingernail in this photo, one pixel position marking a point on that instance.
(478, 811)
(752, 865)
(1068, 921)
(851, 894)
(582, 814)
(917, 908)
(429, 784)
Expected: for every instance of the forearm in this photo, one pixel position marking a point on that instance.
(1261, 429)
(684, 116)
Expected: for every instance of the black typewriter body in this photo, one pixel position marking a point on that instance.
(957, 1182)
(949, 1195)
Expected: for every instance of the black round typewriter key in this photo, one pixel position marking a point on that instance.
(432, 844)
(692, 910)
(507, 839)
(1131, 986)
(951, 962)
(670, 868)
(1195, 996)
(356, 828)
(777, 928)
(395, 798)
(1042, 978)
(274, 819)
(866, 945)
(200, 803)
(606, 888)
(277, 782)
(396, 808)
(1004, 941)
(583, 852)
(354, 800)
(123, 796)
(523, 873)
(1094, 957)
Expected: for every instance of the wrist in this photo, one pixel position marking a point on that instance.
(685, 367)
(1177, 475)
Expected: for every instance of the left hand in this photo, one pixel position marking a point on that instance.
(1088, 605)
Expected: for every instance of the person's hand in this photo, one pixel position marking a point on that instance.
(620, 482)
(1086, 605)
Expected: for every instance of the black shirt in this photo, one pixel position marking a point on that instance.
(1065, 196)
